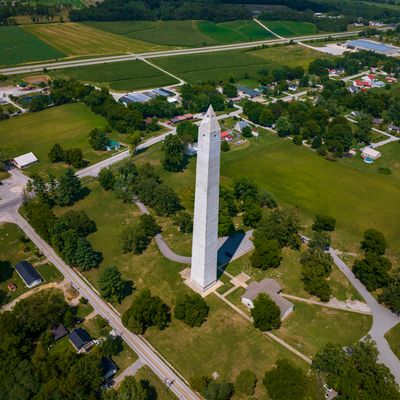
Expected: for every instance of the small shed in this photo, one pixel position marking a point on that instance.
(25, 160)
(272, 289)
(59, 332)
(109, 369)
(113, 145)
(371, 153)
(80, 339)
(241, 124)
(28, 274)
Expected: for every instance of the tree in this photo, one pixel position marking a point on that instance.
(266, 314)
(98, 139)
(324, 223)
(390, 296)
(374, 242)
(184, 222)
(146, 310)
(229, 90)
(267, 254)
(74, 157)
(165, 201)
(246, 382)
(111, 284)
(78, 221)
(245, 189)
(56, 153)
(85, 257)
(225, 146)
(251, 214)
(174, 153)
(246, 132)
(265, 199)
(106, 179)
(134, 139)
(218, 391)
(134, 239)
(192, 310)
(68, 189)
(286, 382)
(199, 383)
(187, 131)
(283, 126)
(131, 389)
(320, 240)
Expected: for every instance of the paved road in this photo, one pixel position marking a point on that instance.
(130, 371)
(142, 348)
(168, 53)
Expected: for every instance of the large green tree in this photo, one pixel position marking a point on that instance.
(174, 153)
(191, 309)
(111, 284)
(266, 314)
(68, 189)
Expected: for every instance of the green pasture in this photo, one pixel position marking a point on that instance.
(393, 338)
(291, 28)
(126, 75)
(19, 46)
(69, 125)
(186, 33)
(239, 64)
(13, 250)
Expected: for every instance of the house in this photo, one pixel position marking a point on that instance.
(181, 118)
(25, 160)
(377, 121)
(393, 128)
(113, 145)
(355, 114)
(272, 289)
(59, 332)
(81, 340)
(241, 124)
(226, 135)
(292, 88)
(368, 78)
(359, 83)
(28, 274)
(370, 153)
(378, 84)
(244, 91)
(108, 368)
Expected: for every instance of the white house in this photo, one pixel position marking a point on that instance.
(371, 153)
(25, 160)
(272, 289)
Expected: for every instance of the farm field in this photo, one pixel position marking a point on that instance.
(126, 75)
(238, 63)
(13, 250)
(291, 28)
(19, 46)
(69, 125)
(186, 33)
(81, 40)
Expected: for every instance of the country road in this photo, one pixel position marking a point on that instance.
(167, 53)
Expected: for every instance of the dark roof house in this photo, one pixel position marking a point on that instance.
(59, 332)
(28, 274)
(108, 367)
(80, 339)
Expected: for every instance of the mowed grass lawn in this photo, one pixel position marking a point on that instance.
(82, 40)
(291, 28)
(237, 64)
(12, 251)
(186, 33)
(393, 338)
(126, 75)
(19, 46)
(69, 125)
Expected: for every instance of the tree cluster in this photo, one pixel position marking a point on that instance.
(112, 286)
(197, 98)
(146, 311)
(142, 182)
(131, 389)
(98, 139)
(211, 389)
(191, 309)
(354, 372)
(373, 269)
(72, 157)
(174, 157)
(136, 237)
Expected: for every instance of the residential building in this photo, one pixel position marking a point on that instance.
(59, 332)
(241, 124)
(273, 290)
(25, 160)
(81, 340)
(244, 91)
(370, 153)
(113, 145)
(109, 369)
(28, 274)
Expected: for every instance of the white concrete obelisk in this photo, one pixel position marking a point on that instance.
(206, 204)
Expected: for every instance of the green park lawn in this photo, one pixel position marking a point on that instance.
(239, 64)
(126, 75)
(393, 338)
(291, 28)
(19, 46)
(69, 125)
(13, 250)
(186, 33)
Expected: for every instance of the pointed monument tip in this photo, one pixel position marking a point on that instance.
(210, 121)
(210, 113)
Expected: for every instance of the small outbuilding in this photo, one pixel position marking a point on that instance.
(109, 369)
(81, 340)
(113, 145)
(25, 160)
(28, 274)
(241, 124)
(273, 290)
(59, 332)
(370, 153)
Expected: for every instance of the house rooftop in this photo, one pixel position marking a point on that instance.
(25, 160)
(28, 273)
(108, 367)
(79, 337)
(59, 332)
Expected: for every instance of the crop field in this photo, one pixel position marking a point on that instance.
(291, 28)
(81, 40)
(19, 46)
(69, 125)
(67, 3)
(126, 75)
(238, 64)
(186, 33)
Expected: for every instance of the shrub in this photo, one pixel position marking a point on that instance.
(246, 382)
(192, 310)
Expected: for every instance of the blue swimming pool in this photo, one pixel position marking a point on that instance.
(368, 160)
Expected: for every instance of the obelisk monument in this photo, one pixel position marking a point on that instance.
(205, 225)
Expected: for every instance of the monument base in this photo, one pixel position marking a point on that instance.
(203, 292)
